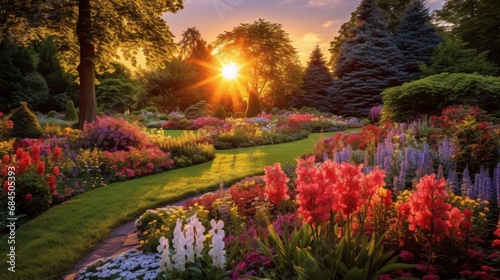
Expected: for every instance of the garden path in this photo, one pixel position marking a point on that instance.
(122, 239)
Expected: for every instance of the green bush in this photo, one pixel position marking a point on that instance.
(428, 96)
(52, 114)
(253, 107)
(200, 109)
(220, 112)
(25, 123)
(238, 115)
(71, 113)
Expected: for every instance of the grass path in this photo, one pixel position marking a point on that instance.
(51, 244)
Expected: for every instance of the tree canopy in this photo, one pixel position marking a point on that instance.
(269, 64)
(92, 32)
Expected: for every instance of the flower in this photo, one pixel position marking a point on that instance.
(276, 189)
(217, 251)
(6, 159)
(40, 168)
(163, 248)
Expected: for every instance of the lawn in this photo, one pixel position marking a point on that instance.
(50, 245)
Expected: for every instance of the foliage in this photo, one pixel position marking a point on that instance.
(368, 63)
(432, 94)
(220, 112)
(93, 31)
(253, 105)
(6, 127)
(185, 150)
(317, 78)
(454, 56)
(136, 162)
(170, 87)
(116, 95)
(34, 91)
(52, 114)
(273, 76)
(110, 134)
(200, 109)
(25, 123)
(416, 38)
(474, 22)
(70, 113)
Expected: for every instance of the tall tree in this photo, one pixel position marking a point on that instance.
(192, 47)
(94, 30)
(391, 10)
(317, 79)
(476, 22)
(416, 38)
(367, 64)
(267, 58)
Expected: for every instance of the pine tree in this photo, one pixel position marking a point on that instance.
(317, 79)
(416, 38)
(367, 64)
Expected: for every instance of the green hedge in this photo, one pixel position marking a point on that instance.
(428, 96)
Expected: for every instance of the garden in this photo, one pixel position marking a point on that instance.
(241, 158)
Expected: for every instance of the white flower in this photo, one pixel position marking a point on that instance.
(188, 241)
(163, 248)
(200, 235)
(217, 251)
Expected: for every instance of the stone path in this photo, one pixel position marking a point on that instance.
(119, 241)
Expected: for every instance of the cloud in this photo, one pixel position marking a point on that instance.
(328, 23)
(324, 3)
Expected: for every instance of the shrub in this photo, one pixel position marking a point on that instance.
(110, 134)
(52, 114)
(71, 113)
(253, 106)
(200, 109)
(207, 121)
(220, 112)
(25, 123)
(239, 115)
(430, 95)
(5, 128)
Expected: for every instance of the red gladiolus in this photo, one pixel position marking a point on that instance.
(23, 165)
(56, 171)
(40, 168)
(6, 159)
(57, 153)
(315, 194)
(349, 189)
(276, 189)
(19, 153)
(35, 153)
(52, 180)
(28, 198)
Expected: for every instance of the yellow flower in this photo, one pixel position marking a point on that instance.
(141, 242)
(147, 241)
(160, 215)
(208, 235)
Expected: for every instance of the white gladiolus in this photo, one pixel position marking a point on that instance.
(179, 258)
(163, 248)
(217, 251)
(200, 235)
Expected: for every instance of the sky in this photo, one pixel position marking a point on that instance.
(308, 22)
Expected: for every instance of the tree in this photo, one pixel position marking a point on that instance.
(116, 95)
(367, 64)
(476, 22)
(453, 56)
(94, 30)
(416, 38)
(267, 58)
(317, 79)
(192, 47)
(392, 11)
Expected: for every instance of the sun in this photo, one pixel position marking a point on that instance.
(230, 71)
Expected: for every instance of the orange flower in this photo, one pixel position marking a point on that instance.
(57, 153)
(40, 168)
(276, 189)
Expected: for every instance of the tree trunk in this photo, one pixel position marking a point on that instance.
(86, 68)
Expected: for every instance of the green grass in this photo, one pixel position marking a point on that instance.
(51, 244)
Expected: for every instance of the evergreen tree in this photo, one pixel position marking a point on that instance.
(416, 38)
(367, 64)
(317, 78)
(453, 56)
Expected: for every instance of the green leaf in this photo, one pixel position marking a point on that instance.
(394, 266)
(353, 274)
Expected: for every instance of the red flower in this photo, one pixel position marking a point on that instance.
(276, 189)
(28, 198)
(6, 159)
(6, 186)
(35, 153)
(40, 168)
(56, 171)
(57, 153)
(19, 153)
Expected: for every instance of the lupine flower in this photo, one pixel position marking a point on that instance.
(217, 251)
(57, 153)
(276, 189)
(35, 153)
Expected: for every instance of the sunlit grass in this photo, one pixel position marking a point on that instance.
(50, 245)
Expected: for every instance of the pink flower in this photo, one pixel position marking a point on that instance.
(276, 189)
